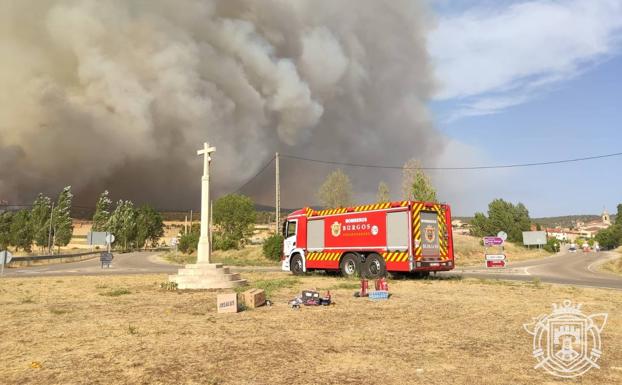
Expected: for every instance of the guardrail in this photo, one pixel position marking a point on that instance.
(60, 258)
(52, 256)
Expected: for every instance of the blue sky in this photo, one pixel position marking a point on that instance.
(526, 82)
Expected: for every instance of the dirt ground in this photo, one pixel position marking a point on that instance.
(127, 330)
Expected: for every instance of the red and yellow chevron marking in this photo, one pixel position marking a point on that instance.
(322, 256)
(309, 212)
(442, 225)
(397, 256)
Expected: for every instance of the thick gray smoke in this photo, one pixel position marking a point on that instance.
(119, 94)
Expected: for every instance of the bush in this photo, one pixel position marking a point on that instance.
(273, 247)
(550, 245)
(188, 243)
(223, 242)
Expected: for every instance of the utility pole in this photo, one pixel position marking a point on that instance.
(211, 220)
(190, 220)
(278, 197)
(186, 225)
(50, 230)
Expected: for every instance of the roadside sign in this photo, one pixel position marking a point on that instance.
(495, 257)
(110, 238)
(5, 257)
(493, 241)
(503, 235)
(495, 261)
(495, 264)
(96, 238)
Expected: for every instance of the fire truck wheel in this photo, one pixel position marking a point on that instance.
(296, 265)
(350, 265)
(374, 266)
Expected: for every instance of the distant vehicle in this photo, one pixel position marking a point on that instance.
(572, 248)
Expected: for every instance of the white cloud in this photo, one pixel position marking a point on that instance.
(491, 58)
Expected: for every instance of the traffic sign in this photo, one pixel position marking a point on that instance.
(503, 235)
(493, 241)
(495, 264)
(495, 257)
(5, 257)
(110, 238)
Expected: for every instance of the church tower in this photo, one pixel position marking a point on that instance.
(606, 218)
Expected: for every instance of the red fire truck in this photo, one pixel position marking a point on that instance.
(370, 240)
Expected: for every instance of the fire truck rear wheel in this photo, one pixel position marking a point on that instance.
(350, 265)
(374, 266)
(296, 265)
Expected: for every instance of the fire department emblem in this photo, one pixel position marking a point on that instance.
(566, 342)
(430, 234)
(335, 229)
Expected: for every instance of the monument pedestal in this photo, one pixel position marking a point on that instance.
(203, 274)
(206, 276)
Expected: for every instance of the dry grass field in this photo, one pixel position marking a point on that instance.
(614, 265)
(127, 330)
(251, 255)
(469, 251)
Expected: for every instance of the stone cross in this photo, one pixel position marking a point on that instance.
(203, 249)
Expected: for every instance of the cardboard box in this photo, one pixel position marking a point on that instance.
(254, 298)
(227, 303)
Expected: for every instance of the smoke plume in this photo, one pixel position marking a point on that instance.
(119, 94)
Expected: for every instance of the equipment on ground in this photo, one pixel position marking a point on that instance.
(370, 240)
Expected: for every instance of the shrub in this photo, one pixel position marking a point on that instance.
(188, 243)
(273, 247)
(223, 242)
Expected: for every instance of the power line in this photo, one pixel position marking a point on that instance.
(256, 175)
(456, 168)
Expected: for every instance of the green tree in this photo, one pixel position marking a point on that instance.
(383, 193)
(5, 229)
(336, 191)
(149, 226)
(502, 216)
(40, 219)
(122, 224)
(234, 215)
(102, 212)
(273, 247)
(619, 215)
(21, 230)
(416, 185)
(61, 218)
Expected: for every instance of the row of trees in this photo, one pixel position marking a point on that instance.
(49, 223)
(336, 191)
(45, 225)
(502, 216)
(132, 227)
(611, 237)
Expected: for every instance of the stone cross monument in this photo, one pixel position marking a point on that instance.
(204, 246)
(203, 274)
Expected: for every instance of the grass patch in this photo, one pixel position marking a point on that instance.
(613, 266)
(27, 300)
(271, 286)
(132, 330)
(180, 258)
(59, 310)
(247, 256)
(345, 286)
(116, 292)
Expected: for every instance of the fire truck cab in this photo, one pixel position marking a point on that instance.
(369, 240)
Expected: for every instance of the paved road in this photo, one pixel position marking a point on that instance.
(578, 269)
(144, 262)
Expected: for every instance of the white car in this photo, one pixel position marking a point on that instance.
(572, 248)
